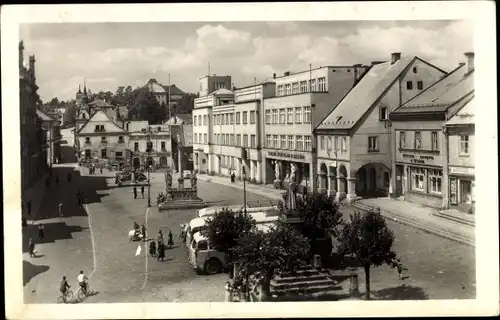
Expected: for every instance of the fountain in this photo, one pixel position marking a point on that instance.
(181, 197)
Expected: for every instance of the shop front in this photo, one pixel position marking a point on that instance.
(462, 188)
(281, 166)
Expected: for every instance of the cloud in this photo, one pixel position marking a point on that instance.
(123, 54)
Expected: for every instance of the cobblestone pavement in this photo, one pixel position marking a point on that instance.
(437, 268)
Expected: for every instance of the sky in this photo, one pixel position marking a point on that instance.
(109, 55)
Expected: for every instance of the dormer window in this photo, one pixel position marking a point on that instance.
(99, 128)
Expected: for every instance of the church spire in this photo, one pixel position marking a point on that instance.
(85, 87)
(79, 89)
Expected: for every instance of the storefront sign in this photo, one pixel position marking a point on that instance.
(288, 155)
(413, 159)
(462, 170)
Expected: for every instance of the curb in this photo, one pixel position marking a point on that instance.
(440, 232)
(262, 193)
(446, 216)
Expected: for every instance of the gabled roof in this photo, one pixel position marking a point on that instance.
(222, 91)
(100, 104)
(103, 118)
(464, 116)
(366, 92)
(44, 116)
(442, 94)
(174, 90)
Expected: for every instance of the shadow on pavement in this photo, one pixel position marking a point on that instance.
(30, 271)
(53, 231)
(402, 292)
(322, 297)
(68, 153)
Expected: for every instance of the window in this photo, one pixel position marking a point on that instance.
(268, 116)
(282, 116)
(205, 138)
(322, 143)
(226, 118)
(195, 138)
(383, 113)
(87, 139)
(283, 141)
(280, 90)
(295, 88)
(289, 115)
(231, 118)
(307, 114)
(299, 146)
(344, 144)
(269, 141)
(298, 115)
(434, 137)
(464, 145)
(275, 141)
(223, 140)
(232, 136)
(409, 85)
(335, 143)
(163, 148)
(238, 140)
(227, 139)
(136, 146)
(103, 139)
(245, 117)
(149, 146)
(322, 84)
(303, 86)
(312, 84)
(99, 128)
(118, 154)
(245, 140)
(205, 122)
(435, 177)
(372, 143)
(414, 69)
(87, 153)
(402, 139)
(238, 114)
(418, 140)
(417, 179)
(218, 139)
(253, 144)
(420, 85)
(275, 116)
(290, 143)
(307, 143)
(202, 245)
(194, 119)
(252, 117)
(103, 153)
(120, 139)
(288, 89)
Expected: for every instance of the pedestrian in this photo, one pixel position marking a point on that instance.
(31, 248)
(159, 237)
(143, 231)
(400, 268)
(135, 192)
(170, 239)
(161, 251)
(60, 210)
(152, 248)
(142, 191)
(100, 169)
(41, 234)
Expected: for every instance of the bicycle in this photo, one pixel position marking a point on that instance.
(82, 295)
(67, 297)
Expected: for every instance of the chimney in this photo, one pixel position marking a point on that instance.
(395, 56)
(470, 61)
(287, 73)
(274, 75)
(356, 73)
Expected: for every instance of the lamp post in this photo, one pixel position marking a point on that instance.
(148, 166)
(149, 187)
(244, 173)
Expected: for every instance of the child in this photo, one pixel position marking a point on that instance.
(152, 248)
(400, 269)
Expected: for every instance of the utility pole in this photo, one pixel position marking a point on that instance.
(170, 124)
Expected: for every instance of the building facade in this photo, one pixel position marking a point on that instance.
(354, 140)
(420, 158)
(161, 92)
(460, 132)
(300, 104)
(33, 138)
(149, 145)
(52, 129)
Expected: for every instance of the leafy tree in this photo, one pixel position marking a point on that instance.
(368, 238)
(225, 227)
(264, 255)
(149, 109)
(185, 104)
(54, 102)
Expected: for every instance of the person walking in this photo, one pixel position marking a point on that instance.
(31, 248)
(60, 210)
(170, 239)
(161, 252)
(135, 192)
(400, 268)
(142, 191)
(152, 248)
(143, 231)
(159, 237)
(41, 233)
(100, 169)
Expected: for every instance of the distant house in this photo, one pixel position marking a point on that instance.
(181, 118)
(150, 145)
(162, 92)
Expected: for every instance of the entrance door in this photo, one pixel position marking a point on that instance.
(465, 192)
(373, 180)
(399, 180)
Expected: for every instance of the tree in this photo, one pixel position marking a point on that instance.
(185, 104)
(149, 109)
(225, 227)
(368, 238)
(264, 255)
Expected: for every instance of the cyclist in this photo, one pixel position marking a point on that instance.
(64, 287)
(82, 281)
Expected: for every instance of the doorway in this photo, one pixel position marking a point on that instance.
(465, 192)
(399, 180)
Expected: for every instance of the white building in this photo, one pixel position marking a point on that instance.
(150, 145)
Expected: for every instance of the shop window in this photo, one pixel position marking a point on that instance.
(417, 179)
(372, 144)
(402, 139)
(290, 143)
(289, 115)
(435, 142)
(283, 141)
(298, 115)
(418, 140)
(464, 145)
(435, 177)
(268, 116)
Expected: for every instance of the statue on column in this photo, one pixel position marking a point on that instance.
(168, 180)
(291, 201)
(276, 170)
(193, 180)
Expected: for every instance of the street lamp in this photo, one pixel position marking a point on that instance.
(243, 171)
(149, 187)
(148, 166)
